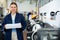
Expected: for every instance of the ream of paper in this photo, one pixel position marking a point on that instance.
(12, 26)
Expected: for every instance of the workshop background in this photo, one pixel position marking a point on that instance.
(45, 21)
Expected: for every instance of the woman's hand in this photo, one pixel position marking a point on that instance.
(5, 26)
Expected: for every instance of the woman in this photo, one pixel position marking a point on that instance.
(13, 18)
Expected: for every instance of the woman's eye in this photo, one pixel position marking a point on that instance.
(11, 7)
(14, 7)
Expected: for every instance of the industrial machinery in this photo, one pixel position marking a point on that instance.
(1, 19)
(32, 28)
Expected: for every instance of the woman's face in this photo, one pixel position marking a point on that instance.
(13, 8)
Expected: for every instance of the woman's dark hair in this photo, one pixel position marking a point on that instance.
(13, 3)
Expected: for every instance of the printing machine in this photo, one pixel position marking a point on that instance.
(1, 33)
(1, 19)
(47, 33)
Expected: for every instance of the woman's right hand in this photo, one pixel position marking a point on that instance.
(5, 26)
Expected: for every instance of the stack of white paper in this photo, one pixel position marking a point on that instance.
(11, 26)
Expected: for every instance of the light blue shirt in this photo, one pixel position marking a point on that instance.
(13, 21)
